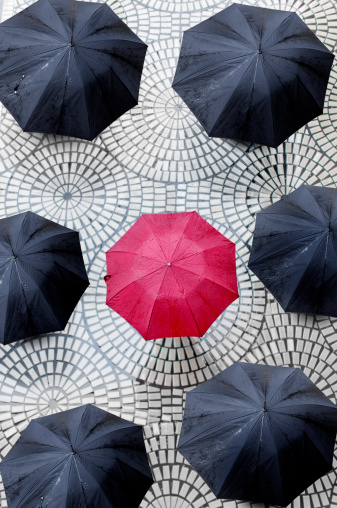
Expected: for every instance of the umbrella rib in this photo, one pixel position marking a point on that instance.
(134, 253)
(196, 324)
(134, 281)
(272, 252)
(36, 483)
(182, 234)
(40, 293)
(269, 99)
(58, 233)
(279, 26)
(109, 431)
(59, 17)
(76, 53)
(34, 35)
(19, 62)
(290, 447)
(242, 447)
(279, 388)
(206, 278)
(251, 382)
(35, 106)
(253, 402)
(79, 480)
(285, 305)
(155, 236)
(79, 425)
(215, 427)
(296, 76)
(199, 252)
(89, 20)
(301, 404)
(112, 39)
(111, 70)
(36, 422)
(217, 66)
(40, 22)
(229, 97)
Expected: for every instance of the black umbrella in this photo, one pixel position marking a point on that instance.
(259, 433)
(253, 74)
(81, 458)
(294, 251)
(69, 67)
(42, 276)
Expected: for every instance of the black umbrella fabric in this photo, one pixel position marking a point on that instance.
(253, 74)
(294, 251)
(259, 433)
(81, 458)
(42, 276)
(69, 67)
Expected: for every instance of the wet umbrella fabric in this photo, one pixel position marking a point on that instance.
(69, 67)
(81, 458)
(42, 276)
(294, 250)
(171, 275)
(259, 433)
(253, 74)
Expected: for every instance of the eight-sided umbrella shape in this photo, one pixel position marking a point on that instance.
(259, 433)
(171, 275)
(294, 251)
(42, 276)
(253, 74)
(81, 458)
(69, 67)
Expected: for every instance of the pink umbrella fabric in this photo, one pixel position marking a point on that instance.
(171, 275)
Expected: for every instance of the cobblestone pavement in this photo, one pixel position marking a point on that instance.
(157, 158)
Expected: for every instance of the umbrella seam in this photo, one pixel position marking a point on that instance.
(185, 298)
(206, 278)
(38, 102)
(291, 14)
(134, 281)
(215, 427)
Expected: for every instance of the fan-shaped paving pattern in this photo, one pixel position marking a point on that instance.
(263, 177)
(73, 183)
(161, 138)
(324, 128)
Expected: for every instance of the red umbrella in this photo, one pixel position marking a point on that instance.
(171, 275)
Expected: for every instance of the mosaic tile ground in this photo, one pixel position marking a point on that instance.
(157, 158)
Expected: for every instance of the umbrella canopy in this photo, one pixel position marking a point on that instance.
(81, 458)
(259, 433)
(253, 74)
(171, 275)
(294, 251)
(42, 276)
(69, 67)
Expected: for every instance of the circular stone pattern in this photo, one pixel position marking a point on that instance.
(180, 361)
(263, 176)
(75, 184)
(324, 128)
(183, 6)
(15, 145)
(45, 375)
(161, 138)
(176, 483)
(55, 373)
